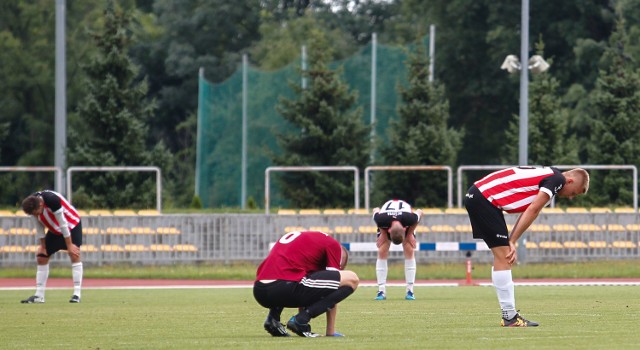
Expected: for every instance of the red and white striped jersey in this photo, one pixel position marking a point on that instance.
(53, 202)
(514, 189)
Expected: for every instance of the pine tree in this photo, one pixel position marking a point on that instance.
(331, 133)
(420, 136)
(110, 127)
(549, 140)
(616, 120)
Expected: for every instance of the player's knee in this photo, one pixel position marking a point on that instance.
(349, 278)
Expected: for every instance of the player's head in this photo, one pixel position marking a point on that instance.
(32, 205)
(344, 259)
(577, 183)
(396, 232)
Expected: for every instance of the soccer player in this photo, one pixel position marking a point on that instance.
(303, 270)
(396, 223)
(52, 211)
(524, 190)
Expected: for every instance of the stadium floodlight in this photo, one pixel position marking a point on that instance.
(537, 64)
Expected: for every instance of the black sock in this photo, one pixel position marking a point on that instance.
(275, 312)
(325, 304)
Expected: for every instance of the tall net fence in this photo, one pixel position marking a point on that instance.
(221, 108)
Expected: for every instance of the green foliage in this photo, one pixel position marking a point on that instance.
(196, 203)
(421, 136)
(549, 139)
(112, 124)
(330, 133)
(615, 119)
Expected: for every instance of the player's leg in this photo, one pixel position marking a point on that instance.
(53, 243)
(487, 223)
(273, 295)
(382, 269)
(77, 270)
(320, 292)
(409, 246)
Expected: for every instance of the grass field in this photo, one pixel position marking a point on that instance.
(590, 317)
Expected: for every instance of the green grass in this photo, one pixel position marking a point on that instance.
(246, 271)
(441, 318)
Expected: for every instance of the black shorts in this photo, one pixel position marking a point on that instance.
(55, 242)
(311, 289)
(487, 221)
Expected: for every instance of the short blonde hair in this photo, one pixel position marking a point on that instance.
(396, 232)
(581, 175)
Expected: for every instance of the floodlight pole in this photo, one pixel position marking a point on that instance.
(523, 151)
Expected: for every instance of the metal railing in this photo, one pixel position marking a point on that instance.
(562, 167)
(369, 169)
(155, 169)
(356, 181)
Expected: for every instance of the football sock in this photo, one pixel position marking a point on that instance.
(381, 274)
(76, 272)
(410, 273)
(323, 305)
(275, 312)
(503, 282)
(42, 275)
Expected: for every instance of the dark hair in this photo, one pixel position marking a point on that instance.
(30, 204)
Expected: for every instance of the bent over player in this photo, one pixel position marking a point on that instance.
(396, 223)
(52, 211)
(524, 190)
(303, 270)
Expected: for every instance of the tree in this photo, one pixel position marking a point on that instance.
(549, 139)
(421, 136)
(331, 132)
(615, 119)
(111, 129)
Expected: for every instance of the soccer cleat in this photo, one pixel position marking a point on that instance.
(74, 299)
(336, 334)
(381, 296)
(303, 330)
(275, 328)
(410, 296)
(33, 300)
(518, 321)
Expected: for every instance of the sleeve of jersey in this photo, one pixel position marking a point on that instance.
(62, 222)
(410, 219)
(552, 184)
(334, 253)
(51, 201)
(39, 228)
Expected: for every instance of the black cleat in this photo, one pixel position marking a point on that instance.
(275, 328)
(33, 300)
(74, 299)
(303, 330)
(518, 321)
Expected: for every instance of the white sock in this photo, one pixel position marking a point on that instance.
(76, 271)
(410, 273)
(503, 282)
(41, 279)
(381, 274)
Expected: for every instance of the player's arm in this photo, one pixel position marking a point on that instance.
(524, 221)
(331, 321)
(53, 202)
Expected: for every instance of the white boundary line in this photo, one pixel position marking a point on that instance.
(368, 284)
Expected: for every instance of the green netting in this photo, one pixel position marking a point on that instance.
(220, 108)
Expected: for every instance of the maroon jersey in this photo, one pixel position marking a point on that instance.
(297, 254)
(514, 189)
(53, 202)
